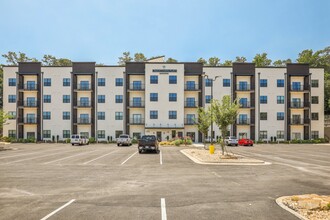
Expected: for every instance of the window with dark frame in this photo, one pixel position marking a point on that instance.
(119, 82)
(101, 116)
(172, 115)
(172, 97)
(11, 98)
(66, 98)
(66, 115)
(315, 83)
(46, 134)
(153, 97)
(315, 116)
(101, 82)
(153, 79)
(263, 82)
(280, 116)
(263, 115)
(119, 98)
(172, 80)
(315, 100)
(101, 99)
(118, 115)
(66, 82)
(263, 99)
(280, 83)
(153, 114)
(12, 81)
(280, 99)
(46, 115)
(226, 82)
(47, 98)
(66, 133)
(47, 82)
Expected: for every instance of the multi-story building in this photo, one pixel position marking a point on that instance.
(51, 103)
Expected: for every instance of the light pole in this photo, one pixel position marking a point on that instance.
(212, 80)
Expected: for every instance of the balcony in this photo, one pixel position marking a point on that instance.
(136, 121)
(28, 87)
(246, 105)
(190, 121)
(243, 87)
(29, 104)
(136, 87)
(84, 121)
(136, 104)
(28, 120)
(299, 121)
(190, 104)
(84, 87)
(84, 104)
(241, 121)
(191, 87)
(299, 88)
(299, 104)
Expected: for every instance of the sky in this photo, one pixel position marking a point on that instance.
(101, 30)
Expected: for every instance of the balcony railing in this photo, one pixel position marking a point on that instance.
(29, 87)
(136, 104)
(299, 121)
(191, 87)
(246, 105)
(136, 87)
(190, 121)
(190, 104)
(297, 88)
(84, 87)
(243, 87)
(136, 121)
(84, 121)
(299, 104)
(29, 104)
(245, 121)
(28, 120)
(84, 104)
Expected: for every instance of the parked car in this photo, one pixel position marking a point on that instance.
(231, 141)
(124, 139)
(148, 143)
(245, 142)
(78, 139)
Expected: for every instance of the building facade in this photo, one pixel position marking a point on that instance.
(51, 103)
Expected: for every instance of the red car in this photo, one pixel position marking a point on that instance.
(245, 142)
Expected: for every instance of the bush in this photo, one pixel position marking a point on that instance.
(168, 143)
(92, 140)
(68, 140)
(135, 141)
(6, 139)
(177, 142)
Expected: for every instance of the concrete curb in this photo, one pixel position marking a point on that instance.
(279, 202)
(223, 163)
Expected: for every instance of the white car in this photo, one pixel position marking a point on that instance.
(124, 139)
(231, 141)
(78, 139)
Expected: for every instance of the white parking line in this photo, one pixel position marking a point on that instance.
(160, 158)
(163, 207)
(59, 209)
(17, 155)
(99, 157)
(68, 157)
(128, 158)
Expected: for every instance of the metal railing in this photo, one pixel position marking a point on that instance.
(246, 105)
(84, 104)
(28, 120)
(136, 87)
(30, 104)
(243, 87)
(299, 87)
(28, 87)
(299, 104)
(84, 121)
(84, 87)
(245, 121)
(190, 104)
(191, 87)
(299, 121)
(136, 121)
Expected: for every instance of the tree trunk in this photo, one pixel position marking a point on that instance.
(223, 133)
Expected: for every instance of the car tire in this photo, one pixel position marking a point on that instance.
(140, 151)
(236, 145)
(72, 144)
(251, 145)
(118, 145)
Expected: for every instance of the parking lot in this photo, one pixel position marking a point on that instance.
(60, 181)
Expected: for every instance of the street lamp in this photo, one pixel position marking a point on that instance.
(212, 80)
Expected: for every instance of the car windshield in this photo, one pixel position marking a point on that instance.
(149, 138)
(75, 136)
(233, 137)
(123, 136)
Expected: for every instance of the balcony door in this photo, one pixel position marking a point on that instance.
(190, 85)
(84, 85)
(31, 85)
(137, 101)
(190, 119)
(191, 102)
(243, 102)
(296, 86)
(84, 118)
(242, 119)
(243, 86)
(31, 118)
(296, 102)
(31, 101)
(137, 118)
(84, 101)
(137, 85)
(296, 119)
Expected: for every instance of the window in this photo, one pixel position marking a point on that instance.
(101, 134)
(119, 98)
(226, 82)
(263, 82)
(244, 103)
(101, 81)
(315, 100)
(46, 115)
(315, 83)
(172, 97)
(280, 116)
(119, 116)
(172, 114)
(315, 134)
(12, 133)
(296, 136)
(315, 116)
(101, 116)
(153, 97)
(47, 98)
(66, 133)
(30, 85)
(280, 83)
(136, 135)
(190, 102)
(263, 135)
(66, 82)
(11, 98)
(101, 99)
(243, 86)
(153, 114)
(208, 98)
(66, 98)
(119, 81)
(280, 99)
(47, 81)
(296, 86)
(137, 85)
(137, 102)
(208, 82)
(190, 85)
(153, 79)
(118, 133)
(172, 80)
(263, 99)
(263, 115)
(12, 115)
(46, 134)
(12, 81)
(243, 119)
(280, 134)
(66, 115)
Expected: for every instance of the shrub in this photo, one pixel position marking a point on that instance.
(68, 140)
(177, 142)
(6, 139)
(135, 141)
(92, 140)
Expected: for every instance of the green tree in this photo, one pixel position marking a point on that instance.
(3, 118)
(202, 60)
(261, 60)
(280, 63)
(125, 58)
(1, 86)
(49, 60)
(12, 58)
(139, 57)
(224, 114)
(214, 61)
(203, 122)
(240, 59)
(171, 60)
(227, 63)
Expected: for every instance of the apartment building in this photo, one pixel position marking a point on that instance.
(51, 103)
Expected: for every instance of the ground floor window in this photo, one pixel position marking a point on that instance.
(101, 134)
(173, 133)
(263, 135)
(12, 133)
(46, 133)
(315, 134)
(136, 135)
(85, 134)
(280, 134)
(242, 135)
(118, 133)
(66, 133)
(31, 135)
(296, 136)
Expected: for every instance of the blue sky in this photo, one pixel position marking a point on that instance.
(100, 30)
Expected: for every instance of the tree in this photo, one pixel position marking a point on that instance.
(171, 60)
(125, 58)
(1, 87)
(214, 61)
(139, 57)
(261, 60)
(224, 114)
(13, 59)
(227, 63)
(240, 59)
(203, 122)
(49, 60)
(202, 60)
(282, 63)
(3, 118)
